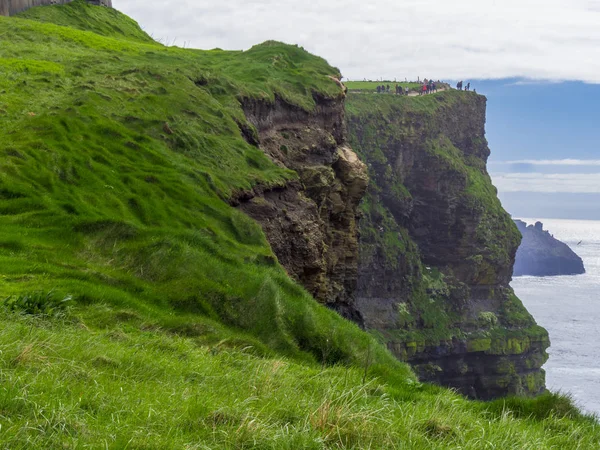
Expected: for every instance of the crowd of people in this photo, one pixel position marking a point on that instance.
(427, 87)
(459, 86)
(385, 88)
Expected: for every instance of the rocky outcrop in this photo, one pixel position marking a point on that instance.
(437, 249)
(311, 222)
(11, 7)
(431, 274)
(540, 254)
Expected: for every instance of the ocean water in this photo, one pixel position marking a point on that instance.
(569, 308)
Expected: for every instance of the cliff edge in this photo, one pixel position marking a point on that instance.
(310, 222)
(437, 249)
(541, 255)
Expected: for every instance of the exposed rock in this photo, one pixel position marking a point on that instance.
(540, 254)
(437, 249)
(310, 223)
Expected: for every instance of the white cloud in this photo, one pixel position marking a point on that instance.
(538, 39)
(533, 82)
(553, 162)
(588, 183)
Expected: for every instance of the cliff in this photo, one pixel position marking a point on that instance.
(437, 249)
(540, 254)
(12, 7)
(311, 222)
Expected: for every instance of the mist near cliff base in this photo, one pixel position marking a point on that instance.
(569, 308)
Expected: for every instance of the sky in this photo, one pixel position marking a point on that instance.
(537, 61)
(545, 142)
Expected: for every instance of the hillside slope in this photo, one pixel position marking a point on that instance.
(142, 308)
(120, 160)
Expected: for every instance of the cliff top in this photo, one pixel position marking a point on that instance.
(414, 87)
(372, 103)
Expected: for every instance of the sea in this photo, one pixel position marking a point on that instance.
(569, 308)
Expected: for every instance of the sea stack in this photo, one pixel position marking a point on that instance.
(541, 255)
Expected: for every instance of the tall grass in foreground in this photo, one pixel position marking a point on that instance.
(69, 383)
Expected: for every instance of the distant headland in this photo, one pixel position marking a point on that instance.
(540, 254)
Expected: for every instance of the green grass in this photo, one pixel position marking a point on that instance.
(119, 156)
(385, 105)
(82, 16)
(372, 85)
(68, 383)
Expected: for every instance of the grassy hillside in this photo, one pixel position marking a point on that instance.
(141, 310)
(119, 157)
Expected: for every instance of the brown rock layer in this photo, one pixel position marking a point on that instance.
(310, 223)
(432, 272)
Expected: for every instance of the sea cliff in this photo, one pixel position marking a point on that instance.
(310, 222)
(427, 268)
(437, 249)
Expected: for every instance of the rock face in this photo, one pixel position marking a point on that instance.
(437, 249)
(540, 254)
(311, 223)
(430, 274)
(11, 7)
